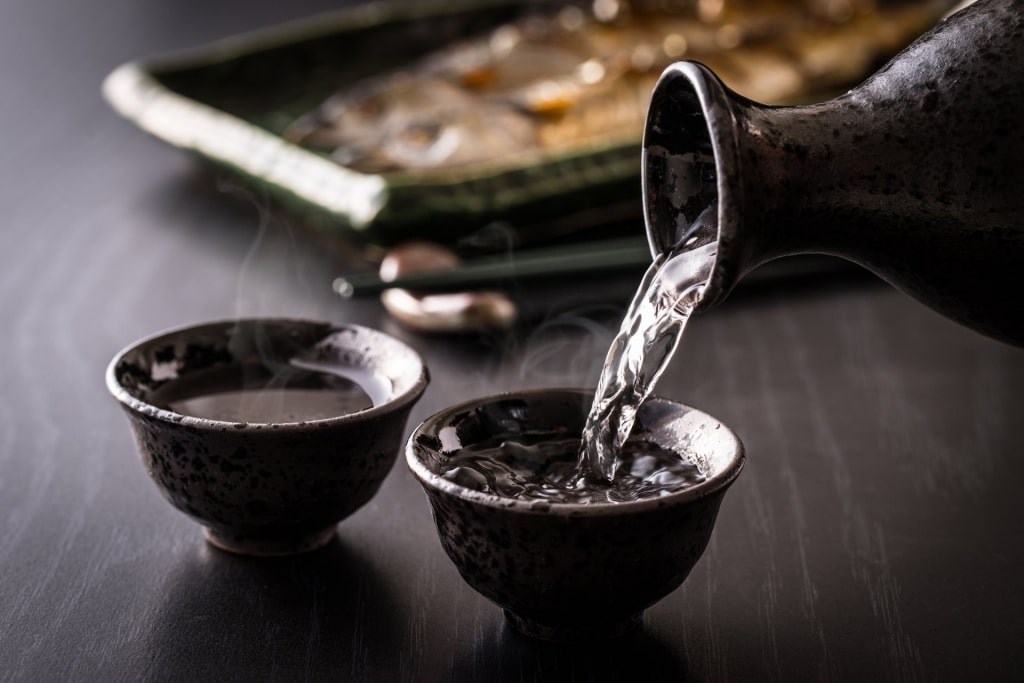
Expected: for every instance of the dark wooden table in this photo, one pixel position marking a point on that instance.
(874, 535)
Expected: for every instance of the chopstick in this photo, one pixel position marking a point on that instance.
(534, 265)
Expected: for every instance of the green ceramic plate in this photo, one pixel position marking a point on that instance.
(229, 102)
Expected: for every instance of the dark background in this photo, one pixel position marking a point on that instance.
(874, 535)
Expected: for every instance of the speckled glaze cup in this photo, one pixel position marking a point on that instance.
(572, 571)
(267, 488)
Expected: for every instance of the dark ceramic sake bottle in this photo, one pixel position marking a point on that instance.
(917, 174)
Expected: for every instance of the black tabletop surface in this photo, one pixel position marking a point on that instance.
(874, 534)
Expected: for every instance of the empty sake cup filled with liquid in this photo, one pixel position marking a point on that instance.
(268, 432)
(569, 556)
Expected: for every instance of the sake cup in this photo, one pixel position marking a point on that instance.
(273, 485)
(572, 571)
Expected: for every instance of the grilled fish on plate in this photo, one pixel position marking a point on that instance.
(549, 84)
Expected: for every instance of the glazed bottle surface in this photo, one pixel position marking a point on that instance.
(917, 174)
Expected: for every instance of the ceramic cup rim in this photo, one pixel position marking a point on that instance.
(138, 405)
(716, 483)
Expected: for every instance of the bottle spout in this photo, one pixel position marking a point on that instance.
(688, 177)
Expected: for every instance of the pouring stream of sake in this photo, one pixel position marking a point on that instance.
(648, 337)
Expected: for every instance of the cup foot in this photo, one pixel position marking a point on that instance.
(574, 633)
(257, 546)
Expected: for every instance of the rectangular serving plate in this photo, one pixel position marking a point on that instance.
(229, 102)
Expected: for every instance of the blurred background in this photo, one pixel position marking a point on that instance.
(483, 128)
